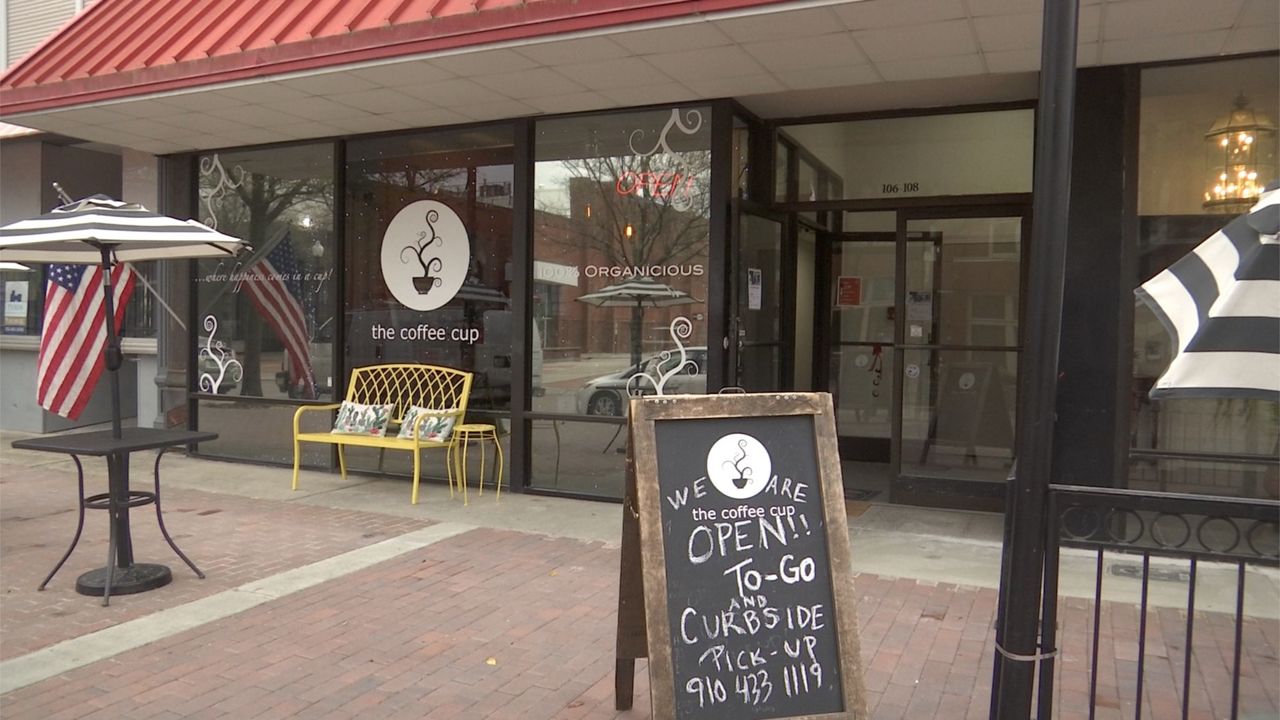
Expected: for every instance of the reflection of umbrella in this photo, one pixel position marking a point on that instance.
(637, 294)
(1221, 304)
(101, 230)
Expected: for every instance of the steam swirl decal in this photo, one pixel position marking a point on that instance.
(222, 358)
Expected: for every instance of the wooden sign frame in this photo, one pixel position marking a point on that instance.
(645, 412)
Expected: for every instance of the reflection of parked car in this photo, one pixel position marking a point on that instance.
(606, 395)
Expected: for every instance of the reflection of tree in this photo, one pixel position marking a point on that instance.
(637, 211)
(666, 204)
(250, 212)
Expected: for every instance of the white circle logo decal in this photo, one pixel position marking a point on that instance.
(967, 380)
(425, 255)
(739, 466)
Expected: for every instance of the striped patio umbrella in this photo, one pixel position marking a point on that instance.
(637, 294)
(1221, 304)
(100, 230)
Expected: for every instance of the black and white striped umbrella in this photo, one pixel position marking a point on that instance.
(642, 291)
(77, 232)
(1221, 304)
(101, 231)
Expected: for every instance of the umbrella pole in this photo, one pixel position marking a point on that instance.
(637, 333)
(112, 354)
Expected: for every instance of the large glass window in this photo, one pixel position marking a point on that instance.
(621, 237)
(955, 154)
(266, 320)
(1181, 194)
(428, 261)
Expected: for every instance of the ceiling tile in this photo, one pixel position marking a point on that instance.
(1009, 32)
(984, 8)
(577, 102)
(829, 50)
(101, 116)
(773, 25)
(201, 100)
(651, 95)
(1169, 47)
(415, 72)
(254, 136)
(735, 86)
(672, 38)
(471, 63)
(1259, 12)
(328, 83)
(1005, 61)
(315, 108)
(620, 73)
(368, 124)
(309, 129)
(809, 78)
(148, 108)
(879, 14)
(496, 110)
(429, 117)
(530, 83)
(206, 123)
(379, 101)
(1254, 38)
(255, 115)
(1087, 54)
(453, 92)
(153, 129)
(922, 41)
(559, 52)
(263, 92)
(706, 63)
(931, 68)
(1153, 18)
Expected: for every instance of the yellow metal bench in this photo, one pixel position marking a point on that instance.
(404, 386)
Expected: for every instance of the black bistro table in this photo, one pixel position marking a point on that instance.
(121, 575)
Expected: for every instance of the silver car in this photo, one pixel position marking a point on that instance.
(606, 395)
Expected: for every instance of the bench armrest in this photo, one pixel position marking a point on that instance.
(297, 415)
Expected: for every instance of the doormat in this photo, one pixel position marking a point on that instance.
(858, 494)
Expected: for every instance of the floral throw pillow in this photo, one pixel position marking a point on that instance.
(357, 419)
(435, 428)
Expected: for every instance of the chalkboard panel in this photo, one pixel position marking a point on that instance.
(747, 583)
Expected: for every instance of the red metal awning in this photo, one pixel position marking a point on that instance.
(124, 48)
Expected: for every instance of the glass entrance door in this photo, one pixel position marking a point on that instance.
(959, 347)
(857, 348)
(757, 292)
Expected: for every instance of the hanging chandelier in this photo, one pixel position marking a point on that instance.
(1241, 152)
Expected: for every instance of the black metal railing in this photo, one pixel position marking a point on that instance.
(1192, 529)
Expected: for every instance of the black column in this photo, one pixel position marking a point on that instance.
(1090, 432)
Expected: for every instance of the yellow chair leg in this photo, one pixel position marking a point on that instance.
(449, 463)
(297, 459)
(465, 443)
(342, 462)
(497, 446)
(417, 462)
(482, 465)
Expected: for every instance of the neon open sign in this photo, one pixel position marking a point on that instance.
(666, 184)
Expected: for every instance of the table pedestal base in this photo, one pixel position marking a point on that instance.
(137, 578)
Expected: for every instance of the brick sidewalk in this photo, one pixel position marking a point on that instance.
(234, 540)
(500, 624)
(497, 624)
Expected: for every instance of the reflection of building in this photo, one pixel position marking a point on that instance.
(823, 168)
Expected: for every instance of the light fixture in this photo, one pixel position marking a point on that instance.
(317, 249)
(1241, 158)
(628, 230)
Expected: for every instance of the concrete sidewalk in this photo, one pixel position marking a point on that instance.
(342, 600)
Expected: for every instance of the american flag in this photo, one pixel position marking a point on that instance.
(75, 334)
(274, 285)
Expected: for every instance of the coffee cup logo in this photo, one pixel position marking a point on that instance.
(425, 255)
(739, 466)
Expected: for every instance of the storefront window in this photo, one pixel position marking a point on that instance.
(956, 154)
(621, 237)
(265, 320)
(1178, 209)
(428, 262)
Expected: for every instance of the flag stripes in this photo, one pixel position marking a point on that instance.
(75, 334)
(273, 290)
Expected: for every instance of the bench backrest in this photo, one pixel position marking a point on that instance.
(406, 385)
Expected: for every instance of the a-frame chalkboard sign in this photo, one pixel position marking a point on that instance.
(742, 558)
